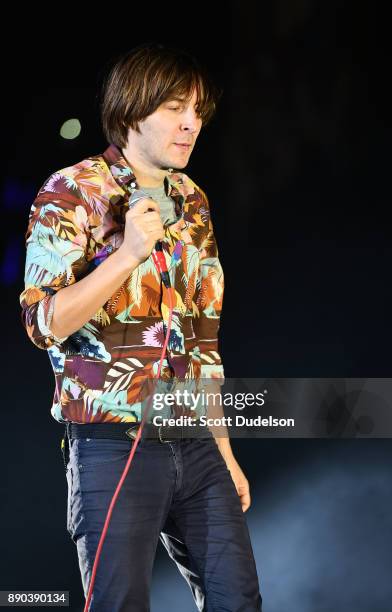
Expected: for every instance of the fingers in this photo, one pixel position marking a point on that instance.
(155, 226)
(154, 236)
(154, 231)
(143, 227)
(143, 205)
(150, 217)
(245, 501)
(145, 221)
(151, 224)
(143, 215)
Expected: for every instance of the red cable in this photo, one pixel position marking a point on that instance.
(134, 445)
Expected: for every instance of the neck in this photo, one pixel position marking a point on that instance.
(146, 176)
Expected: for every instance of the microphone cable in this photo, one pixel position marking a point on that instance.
(160, 264)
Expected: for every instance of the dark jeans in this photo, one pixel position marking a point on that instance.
(180, 492)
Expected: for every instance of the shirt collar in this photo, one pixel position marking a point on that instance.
(124, 176)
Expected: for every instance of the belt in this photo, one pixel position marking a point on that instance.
(128, 431)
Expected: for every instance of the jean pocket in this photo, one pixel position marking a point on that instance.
(95, 452)
(217, 456)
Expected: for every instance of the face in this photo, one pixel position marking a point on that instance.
(169, 134)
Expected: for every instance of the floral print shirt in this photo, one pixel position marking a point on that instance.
(75, 222)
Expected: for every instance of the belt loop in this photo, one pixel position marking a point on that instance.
(132, 431)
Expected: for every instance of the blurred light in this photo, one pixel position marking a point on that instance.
(10, 266)
(17, 194)
(70, 129)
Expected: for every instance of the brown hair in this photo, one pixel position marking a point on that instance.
(144, 78)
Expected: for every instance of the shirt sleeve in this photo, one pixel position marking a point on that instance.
(56, 242)
(208, 299)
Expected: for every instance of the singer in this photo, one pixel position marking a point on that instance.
(94, 300)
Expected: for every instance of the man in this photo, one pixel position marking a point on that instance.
(95, 301)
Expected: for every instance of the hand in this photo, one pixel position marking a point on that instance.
(143, 227)
(223, 442)
(240, 481)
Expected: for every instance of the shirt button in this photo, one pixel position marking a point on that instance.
(133, 185)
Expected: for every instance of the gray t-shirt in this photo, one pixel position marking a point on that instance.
(166, 203)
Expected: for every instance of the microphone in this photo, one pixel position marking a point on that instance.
(157, 252)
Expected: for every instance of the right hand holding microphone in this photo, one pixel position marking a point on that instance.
(143, 228)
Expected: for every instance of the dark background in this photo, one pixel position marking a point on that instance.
(296, 167)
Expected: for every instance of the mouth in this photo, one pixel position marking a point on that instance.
(183, 146)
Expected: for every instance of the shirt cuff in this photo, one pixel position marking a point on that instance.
(44, 320)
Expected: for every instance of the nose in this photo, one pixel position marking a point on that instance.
(191, 122)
